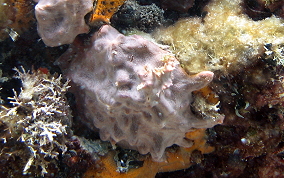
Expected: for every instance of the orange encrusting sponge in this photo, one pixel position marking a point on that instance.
(208, 94)
(104, 10)
(176, 160)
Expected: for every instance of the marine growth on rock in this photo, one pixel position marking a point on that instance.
(225, 39)
(134, 92)
(40, 120)
(59, 22)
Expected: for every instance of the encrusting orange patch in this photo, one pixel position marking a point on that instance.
(176, 160)
(208, 94)
(43, 70)
(104, 10)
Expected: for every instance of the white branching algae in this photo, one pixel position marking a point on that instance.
(40, 118)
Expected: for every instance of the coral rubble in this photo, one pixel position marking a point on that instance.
(38, 124)
(133, 91)
(224, 39)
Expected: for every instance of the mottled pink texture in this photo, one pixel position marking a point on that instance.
(134, 92)
(60, 21)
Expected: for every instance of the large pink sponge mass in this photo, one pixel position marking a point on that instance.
(134, 92)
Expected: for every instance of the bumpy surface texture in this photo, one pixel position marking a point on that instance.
(60, 21)
(133, 91)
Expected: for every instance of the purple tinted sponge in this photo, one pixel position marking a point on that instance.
(134, 92)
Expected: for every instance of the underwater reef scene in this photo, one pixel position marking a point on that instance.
(142, 88)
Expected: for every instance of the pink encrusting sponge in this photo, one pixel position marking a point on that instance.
(134, 92)
(59, 22)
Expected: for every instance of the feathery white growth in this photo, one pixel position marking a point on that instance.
(40, 117)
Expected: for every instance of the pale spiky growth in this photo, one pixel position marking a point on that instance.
(40, 117)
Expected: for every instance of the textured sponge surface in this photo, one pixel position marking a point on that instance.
(133, 91)
(60, 21)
